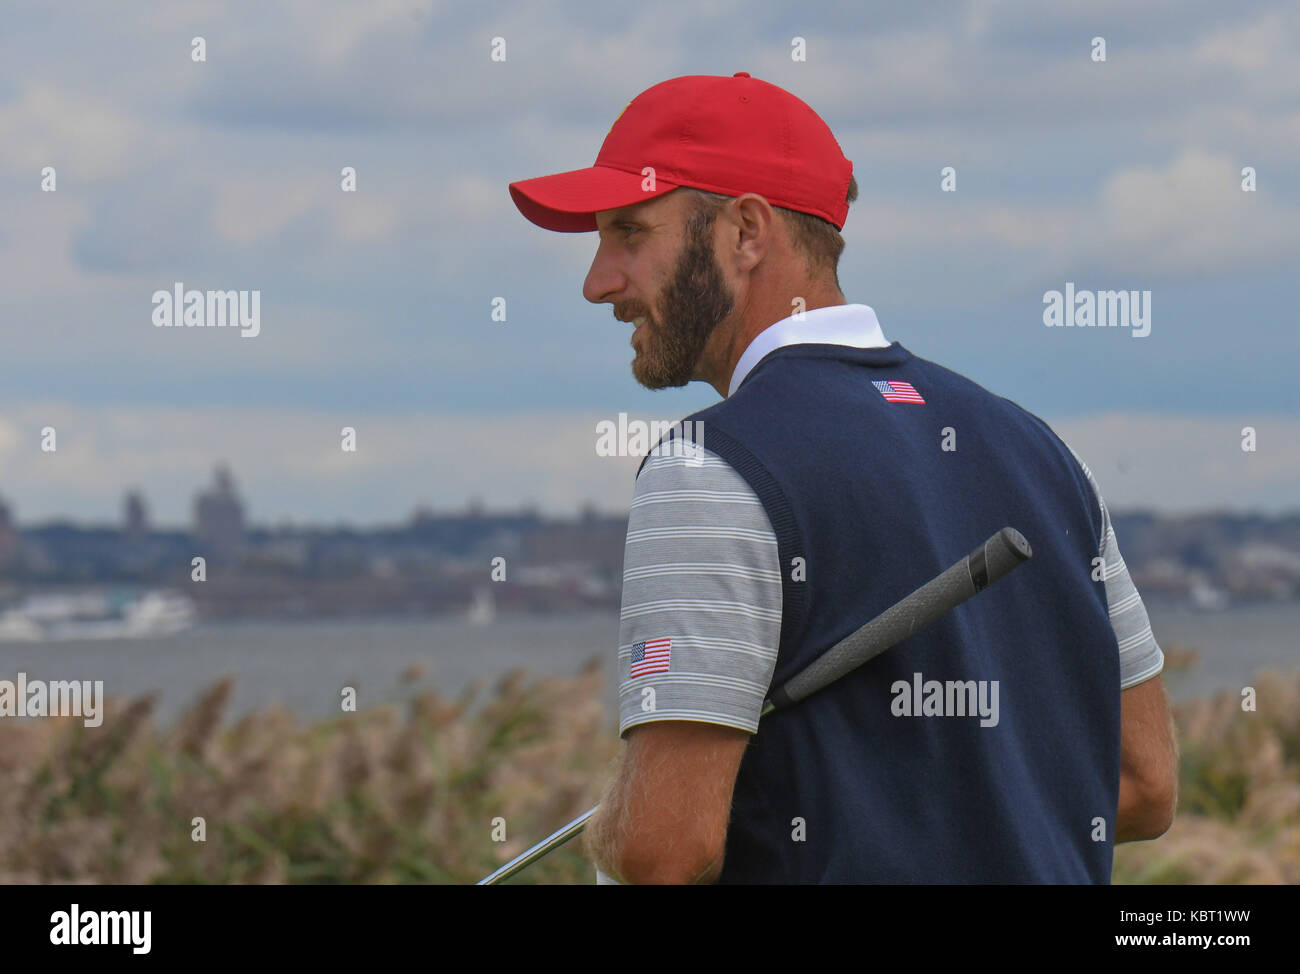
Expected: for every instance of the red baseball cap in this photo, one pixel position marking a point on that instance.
(723, 135)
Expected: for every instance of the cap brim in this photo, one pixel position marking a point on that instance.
(568, 201)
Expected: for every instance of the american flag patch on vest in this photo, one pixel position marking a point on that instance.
(896, 390)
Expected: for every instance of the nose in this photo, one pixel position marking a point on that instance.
(603, 279)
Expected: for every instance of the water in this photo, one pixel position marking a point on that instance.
(1235, 644)
(305, 665)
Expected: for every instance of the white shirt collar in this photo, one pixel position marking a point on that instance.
(854, 325)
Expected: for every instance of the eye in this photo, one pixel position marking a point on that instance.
(628, 228)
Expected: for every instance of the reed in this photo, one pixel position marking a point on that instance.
(1238, 818)
(398, 794)
(408, 793)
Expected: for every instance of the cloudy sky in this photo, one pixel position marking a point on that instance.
(376, 305)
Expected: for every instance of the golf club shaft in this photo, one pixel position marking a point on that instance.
(972, 574)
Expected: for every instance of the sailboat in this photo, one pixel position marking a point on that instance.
(483, 611)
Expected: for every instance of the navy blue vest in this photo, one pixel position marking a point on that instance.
(844, 787)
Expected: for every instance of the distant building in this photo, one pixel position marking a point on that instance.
(592, 541)
(135, 526)
(219, 526)
(11, 544)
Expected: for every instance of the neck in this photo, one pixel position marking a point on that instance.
(753, 323)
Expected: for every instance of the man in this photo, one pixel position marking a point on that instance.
(838, 473)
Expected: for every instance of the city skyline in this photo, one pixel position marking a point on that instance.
(218, 510)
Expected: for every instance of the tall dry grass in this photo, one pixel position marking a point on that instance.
(1238, 818)
(390, 795)
(408, 793)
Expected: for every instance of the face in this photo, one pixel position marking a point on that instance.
(657, 260)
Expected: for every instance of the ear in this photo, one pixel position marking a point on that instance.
(751, 230)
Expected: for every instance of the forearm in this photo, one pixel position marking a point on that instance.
(1140, 816)
(1127, 818)
(641, 849)
(1149, 760)
(663, 818)
(601, 838)
(639, 858)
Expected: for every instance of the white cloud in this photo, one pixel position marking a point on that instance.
(338, 26)
(1189, 216)
(288, 462)
(84, 137)
(1266, 47)
(248, 210)
(1181, 463)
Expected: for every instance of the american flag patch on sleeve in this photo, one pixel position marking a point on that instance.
(651, 656)
(896, 390)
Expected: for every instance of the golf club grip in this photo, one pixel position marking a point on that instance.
(981, 568)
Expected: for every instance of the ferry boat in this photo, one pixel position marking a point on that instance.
(96, 615)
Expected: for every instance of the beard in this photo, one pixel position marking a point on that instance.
(692, 305)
